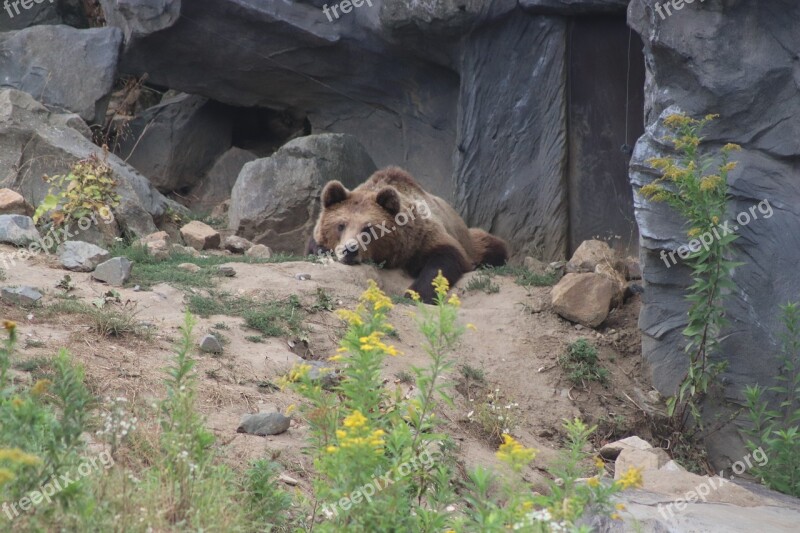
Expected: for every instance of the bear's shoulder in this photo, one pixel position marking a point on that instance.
(395, 177)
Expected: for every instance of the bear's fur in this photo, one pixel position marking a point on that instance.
(391, 220)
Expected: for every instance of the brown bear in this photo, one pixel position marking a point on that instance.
(391, 220)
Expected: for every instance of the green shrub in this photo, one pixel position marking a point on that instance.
(581, 364)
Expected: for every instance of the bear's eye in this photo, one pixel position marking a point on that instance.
(341, 227)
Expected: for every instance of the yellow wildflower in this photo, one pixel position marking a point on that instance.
(514, 453)
(9, 325)
(709, 183)
(376, 297)
(335, 358)
(414, 295)
(677, 120)
(340, 433)
(727, 167)
(694, 232)
(5, 476)
(715, 219)
(15, 455)
(731, 147)
(711, 116)
(599, 463)
(297, 373)
(331, 449)
(351, 317)
(659, 162)
(593, 482)
(472, 327)
(17, 402)
(355, 420)
(615, 516)
(440, 284)
(631, 478)
(453, 300)
(620, 507)
(40, 387)
(290, 409)
(650, 190)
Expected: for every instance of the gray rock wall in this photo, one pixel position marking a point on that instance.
(738, 59)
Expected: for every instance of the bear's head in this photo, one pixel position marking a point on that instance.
(363, 224)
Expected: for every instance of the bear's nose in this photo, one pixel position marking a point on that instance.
(350, 257)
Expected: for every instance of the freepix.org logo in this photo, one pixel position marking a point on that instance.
(8, 5)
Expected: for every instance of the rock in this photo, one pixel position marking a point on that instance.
(64, 68)
(592, 253)
(34, 142)
(573, 7)
(157, 244)
(634, 269)
(210, 344)
(395, 119)
(12, 203)
(275, 200)
(302, 276)
(607, 271)
(18, 229)
(529, 180)
(764, 67)
(612, 449)
(226, 271)
(215, 187)
(263, 424)
(642, 459)
(200, 236)
(185, 250)
(189, 267)
(536, 266)
(289, 480)
(116, 271)
(20, 295)
(583, 298)
(237, 245)
(177, 141)
(80, 256)
(38, 14)
(220, 211)
(322, 372)
(259, 251)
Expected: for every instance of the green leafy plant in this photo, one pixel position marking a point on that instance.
(580, 362)
(696, 186)
(777, 431)
(88, 189)
(482, 281)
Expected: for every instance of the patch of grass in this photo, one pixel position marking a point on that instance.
(482, 281)
(271, 318)
(406, 377)
(581, 364)
(35, 364)
(3, 275)
(148, 271)
(496, 415)
(473, 374)
(34, 343)
(221, 325)
(114, 322)
(523, 276)
(324, 301)
(254, 338)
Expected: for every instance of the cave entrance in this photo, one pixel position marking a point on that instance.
(605, 107)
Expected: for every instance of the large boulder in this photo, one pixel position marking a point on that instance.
(81, 256)
(698, 59)
(35, 142)
(18, 229)
(584, 298)
(140, 17)
(17, 17)
(215, 187)
(177, 141)
(63, 67)
(12, 203)
(276, 199)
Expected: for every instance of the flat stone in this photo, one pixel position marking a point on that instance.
(20, 295)
(226, 271)
(644, 460)
(116, 271)
(263, 424)
(17, 229)
(613, 449)
(81, 256)
(189, 267)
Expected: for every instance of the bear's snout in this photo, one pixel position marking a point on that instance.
(349, 257)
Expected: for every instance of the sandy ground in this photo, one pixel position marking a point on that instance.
(515, 347)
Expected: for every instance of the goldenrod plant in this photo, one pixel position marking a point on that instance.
(87, 190)
(777, 431)
(695, 184)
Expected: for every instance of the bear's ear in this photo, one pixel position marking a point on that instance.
(389, 199)
(333, 193)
